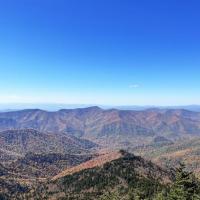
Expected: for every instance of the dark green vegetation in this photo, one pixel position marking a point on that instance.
(184, 187)
(128, 176)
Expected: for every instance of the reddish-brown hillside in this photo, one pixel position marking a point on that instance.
(95, 162)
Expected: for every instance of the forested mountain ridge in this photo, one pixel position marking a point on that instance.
(123, 174)
(119, 127)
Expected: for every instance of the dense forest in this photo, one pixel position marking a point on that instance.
(129, 177)
(184, 187)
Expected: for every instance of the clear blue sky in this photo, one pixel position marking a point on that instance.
(120, 52)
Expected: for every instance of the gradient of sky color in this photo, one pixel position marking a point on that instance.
(130, 52)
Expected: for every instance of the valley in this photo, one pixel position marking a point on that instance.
(77, 153)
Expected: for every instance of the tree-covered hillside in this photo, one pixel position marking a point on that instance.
(128, 176)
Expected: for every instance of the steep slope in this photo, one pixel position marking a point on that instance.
(122, 173)
(97, 161)
(33, 165)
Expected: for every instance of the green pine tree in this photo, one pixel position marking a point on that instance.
(160, 196)
(185, 186)
(110, 196)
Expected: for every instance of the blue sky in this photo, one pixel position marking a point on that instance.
(131, 52)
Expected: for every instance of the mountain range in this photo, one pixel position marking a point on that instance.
(112, 126)
(75, 146)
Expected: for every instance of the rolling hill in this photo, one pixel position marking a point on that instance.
(18, 143)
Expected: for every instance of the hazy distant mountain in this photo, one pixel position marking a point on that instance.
(195, 108)
(55, 107)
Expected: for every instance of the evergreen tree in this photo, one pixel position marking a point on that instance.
(136, 194)
(161, 196)
(110, 196)
(185, 186)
